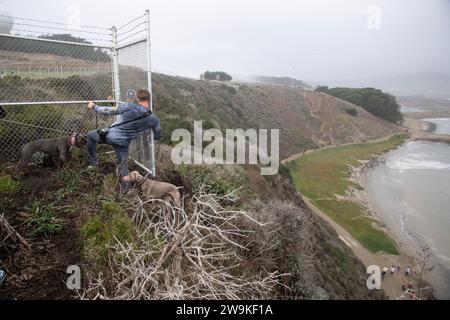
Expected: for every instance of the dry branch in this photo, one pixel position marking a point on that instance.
(7, 232)
(181, 254)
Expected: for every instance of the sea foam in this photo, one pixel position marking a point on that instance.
(417, 164)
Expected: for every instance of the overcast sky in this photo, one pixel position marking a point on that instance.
(306, 39)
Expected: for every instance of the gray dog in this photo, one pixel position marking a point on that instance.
(57, 146)
(156, 189)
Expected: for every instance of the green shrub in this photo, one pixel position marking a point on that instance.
(111, 207)
(217, 75)
(304, 143)
(168, 125)
(373, 100)
(352, 111)
(42, 219)
(8, 185)
(285, 172)
(101, 231)
(220, 180)
(344, 261)
(109, 184)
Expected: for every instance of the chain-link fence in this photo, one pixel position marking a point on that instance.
(47, 78)
(133, 52)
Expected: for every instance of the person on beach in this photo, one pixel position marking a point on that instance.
(383, 272)
(392, 270)
(399, 268)
(407, 271)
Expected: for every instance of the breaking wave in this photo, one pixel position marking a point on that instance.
(417, 164)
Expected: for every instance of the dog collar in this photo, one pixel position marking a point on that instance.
(72, 140)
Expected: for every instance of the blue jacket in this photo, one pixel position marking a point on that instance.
(123, 134)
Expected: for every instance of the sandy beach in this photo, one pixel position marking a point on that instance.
(393, 283)
(407, 253)
(406, 189)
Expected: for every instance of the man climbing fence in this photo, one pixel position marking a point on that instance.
(135, 118)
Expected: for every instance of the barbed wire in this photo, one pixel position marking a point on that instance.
(128, 31)
(37, 34)
(130, 22)
(134, 28)
(53, 22)
(57, 28)
(36, 28)
(132, 35)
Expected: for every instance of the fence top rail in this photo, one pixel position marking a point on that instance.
(56, 41)
(53, 102)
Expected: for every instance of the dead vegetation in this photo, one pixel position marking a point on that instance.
(9, 235)
(182, 253)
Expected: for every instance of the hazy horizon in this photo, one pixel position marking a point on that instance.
(308, 40)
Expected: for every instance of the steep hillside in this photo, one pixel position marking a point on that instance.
(79, 217)
(306, 119)
(82, 218)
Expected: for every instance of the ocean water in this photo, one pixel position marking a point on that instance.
(442, 125)
(407, 109)
(411, 190)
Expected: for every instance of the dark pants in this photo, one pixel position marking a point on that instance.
(121, 151)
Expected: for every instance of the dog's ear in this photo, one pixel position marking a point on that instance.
(134, 176)
(138, 176)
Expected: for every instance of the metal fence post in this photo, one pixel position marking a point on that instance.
(149, 81)
(115, 58)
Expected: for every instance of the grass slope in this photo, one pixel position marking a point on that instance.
(324, 174)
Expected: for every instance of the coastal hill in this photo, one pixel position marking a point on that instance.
(306, 119)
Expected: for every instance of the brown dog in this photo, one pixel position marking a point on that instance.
(58, 146)
(156, 189)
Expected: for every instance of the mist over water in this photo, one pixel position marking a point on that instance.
(411, 190)
(442, 124)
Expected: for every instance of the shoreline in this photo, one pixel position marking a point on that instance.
(409, 241)
(408, 248)
(392, 285)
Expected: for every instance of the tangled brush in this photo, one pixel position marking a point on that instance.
(192, 252)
